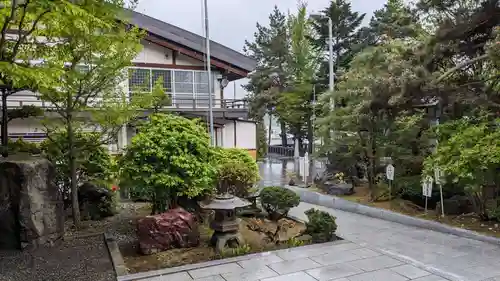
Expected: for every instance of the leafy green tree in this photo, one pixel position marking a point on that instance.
(20, 33)
(88, 93)
(295, 104)
(94, 164)
(469, 155)
(169, 157)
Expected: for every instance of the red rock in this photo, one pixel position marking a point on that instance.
(175, 228)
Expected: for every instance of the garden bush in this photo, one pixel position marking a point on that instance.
(277, 201)
(93, 162)
(320, 225)
(237, 171)
(23, 146)
(169, 158)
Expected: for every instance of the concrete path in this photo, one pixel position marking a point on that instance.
(377, 250)
(448, 255)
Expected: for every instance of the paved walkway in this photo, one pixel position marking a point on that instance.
(377, 250)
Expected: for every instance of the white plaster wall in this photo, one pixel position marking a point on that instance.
(153, 53)
(245, 135)
(185, 60)
(228, 135)
(23, 126)
(218, 136)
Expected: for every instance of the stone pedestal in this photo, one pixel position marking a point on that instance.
(222, 239)
(31, 205)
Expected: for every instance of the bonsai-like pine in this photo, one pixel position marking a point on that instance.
(320, 225)
(237, 171)
(277, 201)
(169, 157)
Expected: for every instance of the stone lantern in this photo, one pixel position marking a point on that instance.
(225, 223)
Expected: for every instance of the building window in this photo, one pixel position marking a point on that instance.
(164, 77)
(143, 79)
(139, 80)
(174, 81)
(201, 82)
(184, 81)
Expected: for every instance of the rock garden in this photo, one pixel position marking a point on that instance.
(203, 201)
(171, 199)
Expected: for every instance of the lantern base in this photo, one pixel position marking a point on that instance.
(221, 239)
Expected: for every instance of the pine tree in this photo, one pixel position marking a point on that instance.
(345, 36)
(270, 49)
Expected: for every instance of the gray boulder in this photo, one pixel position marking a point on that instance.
(31, 205)
(332, 188)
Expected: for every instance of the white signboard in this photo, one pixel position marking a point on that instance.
(438, 176)
(389, 172)
(427, 187)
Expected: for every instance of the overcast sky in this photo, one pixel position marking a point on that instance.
(233, 21)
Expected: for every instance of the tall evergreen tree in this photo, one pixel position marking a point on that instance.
(345, 36)
(270, 49)
(395, 20)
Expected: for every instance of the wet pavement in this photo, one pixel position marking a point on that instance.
(274, 171)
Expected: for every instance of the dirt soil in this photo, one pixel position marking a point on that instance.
(466, 221)
(78, 259)
(257, 242)
(82, 256)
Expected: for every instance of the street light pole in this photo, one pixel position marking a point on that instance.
(209, 71)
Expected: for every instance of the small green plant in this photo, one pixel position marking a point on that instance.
(294, 242)
(321, 226)
(277, 201)
(234, 252)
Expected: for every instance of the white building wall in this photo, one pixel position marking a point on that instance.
(185, 60)
(153, 53)
(240, 134)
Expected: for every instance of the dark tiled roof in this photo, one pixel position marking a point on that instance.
(192, 41)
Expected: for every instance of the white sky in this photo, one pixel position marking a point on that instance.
(233, 21)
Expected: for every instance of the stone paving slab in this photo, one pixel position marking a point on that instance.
(378, 251)
(453, 257)
(312, 264)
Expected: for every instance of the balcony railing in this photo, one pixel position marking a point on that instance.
(19, 100)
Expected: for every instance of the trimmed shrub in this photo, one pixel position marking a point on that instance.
(321, 226)
(237, 171)
(169, 158)
(277, 201)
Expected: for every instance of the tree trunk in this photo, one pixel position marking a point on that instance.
(5, 131)
(72, 171)
(284, 139)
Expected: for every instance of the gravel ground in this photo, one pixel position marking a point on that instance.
(82, 256)
(79, 259)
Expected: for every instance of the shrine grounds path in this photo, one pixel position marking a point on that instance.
(373, 250)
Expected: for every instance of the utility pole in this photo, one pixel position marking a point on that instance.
(209, 71)
(330, 49)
